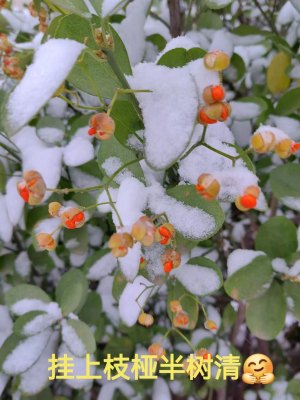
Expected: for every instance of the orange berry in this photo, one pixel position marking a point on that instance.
(102, 126)
(181, 320)
(145, 319)
(144, 231)
(284, 148)
(165, 233)
(175, 306)
(170, 259)
(295, 147)
(216, 60)
(46, 241)
(213, 94)
(208, 187)
(263, 142)
(5, 45)
(203, 117)
(168, 266)
(204, 353)
(155, 349)
(119, 244)
(249, 199)
(32, 188)
(210, 325)
(54, 208)
(225, 113)
(72, 218)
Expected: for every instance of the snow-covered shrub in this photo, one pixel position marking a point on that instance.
(150, 185)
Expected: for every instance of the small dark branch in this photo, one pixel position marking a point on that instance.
(273, 206)
(175, 17)
(239, 320)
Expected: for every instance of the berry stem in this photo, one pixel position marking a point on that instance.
(142, 292)
(119, 92)
(196, 301)
(95, 205)
(72, 104)
(185, 339)
(112, 204)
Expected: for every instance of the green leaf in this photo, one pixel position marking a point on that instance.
(179, 57)
(25, 291)
(189, 303)
(237, 68)
(8, 347)
(277, 78)
(34, 215)
(289, 102)
(277, 238)
(158, 40)
(188, 195)
(251, 280)
(77, 240)
(285, 184)
(91, 310)
(292, 291)
(97, 4)
(247, 30)
(116, 343)
(112, 148)
(72, 6)
(72, 291)
(265, 315)
(217, 4)
(244, 156)
(119, 284)
(209, 20)
(200, 276)
(41, 260)
(2, 177)
(126, 119)
(73, 27)
(83, 333)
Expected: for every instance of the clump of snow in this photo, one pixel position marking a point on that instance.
(72, 340)
(190, 221)
(289, 125)
(13, 200)
(108, 301)
(292, 202)
(241, 258)
(243, 111)
(52, 63)
(6, 227)
(128, 307)
(102, 267)
(168, 122)
(56, 107)
(37, 377)
(25, 305)
(26, 353)
(111, 165)
(41, 322)
(108, 5)
(47, 226)
(131, 29)
(280, 265)
(183, 42)
(37, 156)
(222, 40)
(161, 390)
(51, 135)
(278, 133)
(130, 263)
(79, 151)
(131, 201)
(198, 280)
(108, 389)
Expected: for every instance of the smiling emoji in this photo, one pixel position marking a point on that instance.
(258, 368)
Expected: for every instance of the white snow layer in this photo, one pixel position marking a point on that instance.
(169, 111)
(26, 353)
(13, 200)
(102, 267)
(130, 263)
(161, 390)
(198, 280)
(128, 307)
(190, 221)
(131, 30)
(79, 151)
(72, 340)
(6, 227)
(52, 63)
(37, 377)
(6, 324)
(241, 258)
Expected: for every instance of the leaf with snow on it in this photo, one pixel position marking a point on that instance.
(79, 368)
(168, 122)
(78, 337)
(34, 322)
(23, 298)
(36, 378)
(79, 151)
(130, 263)
(100, 264)
(199, 276)
(131, 30)
(6, 324)
(18, 353)
(161, 390)
(191, 215)
(13, 200)
(52, 63)
(129, 308)
(6, 227)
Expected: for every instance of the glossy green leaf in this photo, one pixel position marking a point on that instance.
(265, 315)
(25, 291)
(72, 291)
(179, 57)
(84, 334)
(292, 291)
(285, 184)
(289, 102)
(277, 237)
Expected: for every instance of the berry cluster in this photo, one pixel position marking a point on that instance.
(42, 15)
(10, 63)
